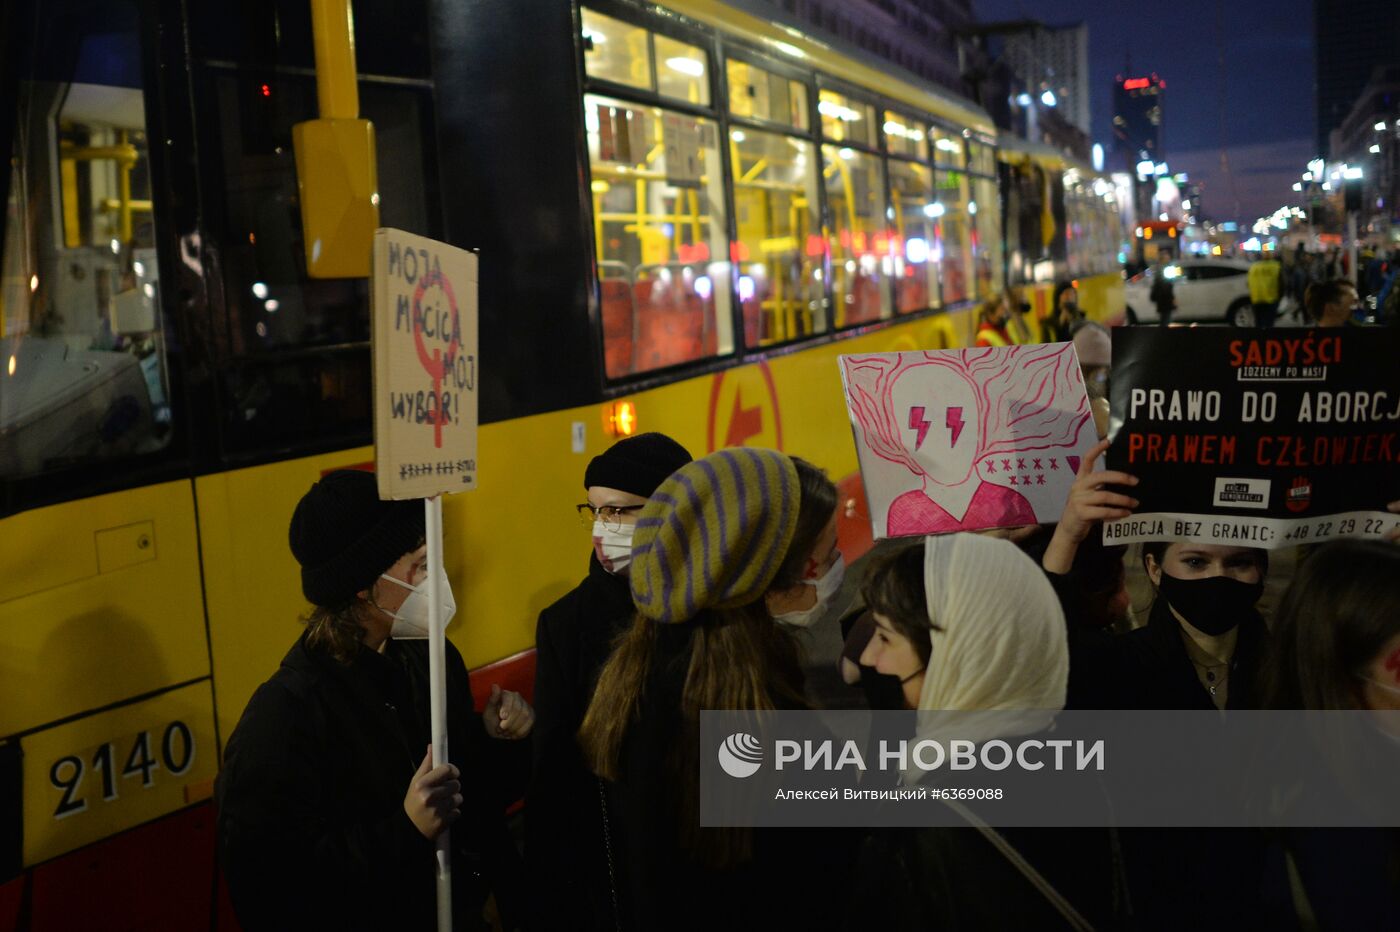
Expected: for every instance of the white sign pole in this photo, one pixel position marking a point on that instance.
(437, 694)
(425, 416)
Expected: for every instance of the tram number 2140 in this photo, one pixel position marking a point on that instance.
(66, 774)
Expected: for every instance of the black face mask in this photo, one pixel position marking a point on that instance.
(1212, 605)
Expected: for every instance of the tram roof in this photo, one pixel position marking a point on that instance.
(744, 18)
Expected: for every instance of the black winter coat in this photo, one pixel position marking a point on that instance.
(795, 878)
(565, 845)
(1177, 876)
(312, 830)
(954, 878)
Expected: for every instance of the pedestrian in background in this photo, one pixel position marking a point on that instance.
(1162, 295)
(1264, 292)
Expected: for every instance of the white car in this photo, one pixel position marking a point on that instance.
(1205, 289)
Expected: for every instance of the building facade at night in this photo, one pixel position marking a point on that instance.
(1056, 58)
(1353, 38)
(1137, 121)
(1368, 137)
(917, 35)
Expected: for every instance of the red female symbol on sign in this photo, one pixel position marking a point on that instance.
(436, 365)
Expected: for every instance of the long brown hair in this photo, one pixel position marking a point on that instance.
(738, 659)
(817, 505)
(1339, 612)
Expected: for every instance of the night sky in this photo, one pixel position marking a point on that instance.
(1266, 87)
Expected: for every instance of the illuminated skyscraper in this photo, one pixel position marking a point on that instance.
(1137, 121)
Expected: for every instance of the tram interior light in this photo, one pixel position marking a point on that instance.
(934, 211)
(686, 66)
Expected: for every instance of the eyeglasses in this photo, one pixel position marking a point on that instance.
(610, 515)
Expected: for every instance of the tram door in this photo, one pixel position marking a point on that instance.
(106, 709)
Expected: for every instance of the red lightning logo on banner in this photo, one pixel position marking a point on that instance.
(954, 422)
(918, 422)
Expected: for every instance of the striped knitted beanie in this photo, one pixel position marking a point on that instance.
(714, 534)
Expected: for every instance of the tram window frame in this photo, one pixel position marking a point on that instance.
(875, 150)
(715, 112)
(339, 367)
(95, 476)
(932, 267)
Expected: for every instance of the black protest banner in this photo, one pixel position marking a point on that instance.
(1260, 438)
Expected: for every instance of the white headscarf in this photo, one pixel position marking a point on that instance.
(1002, 644)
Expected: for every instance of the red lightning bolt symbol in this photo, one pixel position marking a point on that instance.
(918, 422)
(954, 423)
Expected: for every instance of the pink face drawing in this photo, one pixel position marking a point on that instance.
(1005, 399)
(937, 414)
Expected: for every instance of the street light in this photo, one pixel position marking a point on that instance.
(1380, 127)
(1352, 173)
(1374, 149)
(1297, 186)
(1048, 98)
(1023, 99)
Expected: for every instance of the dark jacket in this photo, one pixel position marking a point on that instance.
(1148, 668)
(565, 843)
(312, 829)
(954, 878)
(794, 878)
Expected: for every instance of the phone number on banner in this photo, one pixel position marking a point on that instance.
(1230, 530)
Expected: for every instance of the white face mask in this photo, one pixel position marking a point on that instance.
(613, 548)
(827, 585)
(411, 620)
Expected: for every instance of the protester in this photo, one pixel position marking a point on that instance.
(1337, 648)
(968, 623)
(1162, 295)
(1332, 303)
(1264, 277)
(563, 819)
(1202, 649)
(1064, 314)
(992, 319)
(1204, 642)
(326, 817)
(709, 548)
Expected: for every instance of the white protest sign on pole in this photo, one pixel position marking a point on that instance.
(967, 439)
(425, 418)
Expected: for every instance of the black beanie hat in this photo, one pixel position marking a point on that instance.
(637, 465)
(344, 536)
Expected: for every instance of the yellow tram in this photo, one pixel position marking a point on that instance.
(684, 214)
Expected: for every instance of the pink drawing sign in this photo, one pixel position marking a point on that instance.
(967, 439)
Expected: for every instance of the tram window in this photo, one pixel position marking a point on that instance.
(948, 148)
(987, 237)
(981, 158)
(660, 228)
(846, 120)
(915, 241)
(271, 303)
(682, 71)
(83, 374)
(296, 372)
(763, 95)
(616, 51)
(858, 238)
(780, 252)
(905, 137)
(954, 237)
